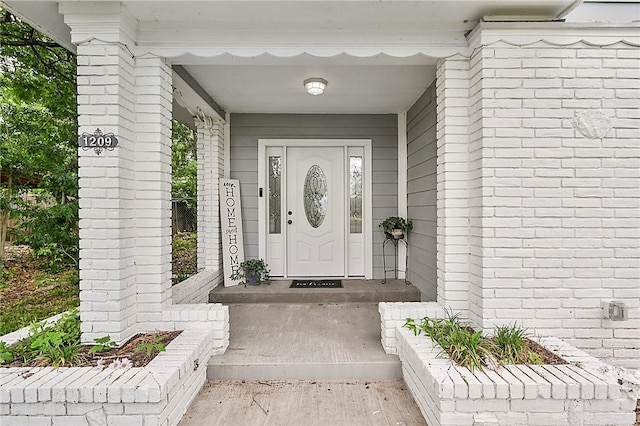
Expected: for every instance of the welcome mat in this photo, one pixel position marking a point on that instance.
(316, 284)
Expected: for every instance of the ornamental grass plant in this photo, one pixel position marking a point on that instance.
(470, 348)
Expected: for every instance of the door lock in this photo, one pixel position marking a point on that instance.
(289, 221)
(289, 212)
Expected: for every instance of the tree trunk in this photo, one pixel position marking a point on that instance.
(4, 222)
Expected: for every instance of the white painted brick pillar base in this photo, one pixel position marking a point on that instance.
(452, 91)
(124, 195)
(210, 170)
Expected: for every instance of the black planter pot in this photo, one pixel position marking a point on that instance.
(252, 278)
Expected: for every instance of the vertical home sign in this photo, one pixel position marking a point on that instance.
(231, 219)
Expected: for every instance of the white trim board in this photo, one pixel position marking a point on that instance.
(403, 208)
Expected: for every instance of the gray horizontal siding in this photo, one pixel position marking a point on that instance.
(421, 193)
(246, 129)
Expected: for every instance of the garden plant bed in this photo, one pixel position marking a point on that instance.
(138, 358)
(545, 354)
(156, 394)
(584, 391)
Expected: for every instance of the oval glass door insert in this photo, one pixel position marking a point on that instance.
(315, 196)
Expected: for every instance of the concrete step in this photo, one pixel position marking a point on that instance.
(319, 341)
(353, 291)
(389, 370)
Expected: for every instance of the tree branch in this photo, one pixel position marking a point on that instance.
(30, 42)
(51, 65)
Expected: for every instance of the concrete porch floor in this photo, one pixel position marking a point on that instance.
(353, 290)
(304, 363)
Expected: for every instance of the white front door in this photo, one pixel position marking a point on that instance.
(315, 212)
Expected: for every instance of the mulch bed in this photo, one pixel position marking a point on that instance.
(127, 350)
(546, 355)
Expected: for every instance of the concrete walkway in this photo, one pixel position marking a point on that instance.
(239, 403)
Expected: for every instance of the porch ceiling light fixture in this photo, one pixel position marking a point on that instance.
(315, 86)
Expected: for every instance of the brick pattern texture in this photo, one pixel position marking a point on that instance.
(125, 193)
(554, 215)
(210, 170)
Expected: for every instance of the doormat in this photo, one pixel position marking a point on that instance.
(316, 284)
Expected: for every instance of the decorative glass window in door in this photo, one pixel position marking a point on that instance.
(275, 189)
(315, 196)
(355, 194)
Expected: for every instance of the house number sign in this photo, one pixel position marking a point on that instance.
(97, 141)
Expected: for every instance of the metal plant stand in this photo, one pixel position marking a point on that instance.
(395, 270)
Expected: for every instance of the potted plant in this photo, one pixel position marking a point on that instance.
(253, 271)
(395, 227)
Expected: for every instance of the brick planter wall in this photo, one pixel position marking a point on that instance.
(584, 392)
(157, 394)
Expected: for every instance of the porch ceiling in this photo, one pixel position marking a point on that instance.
(265, 84)
(253, 56)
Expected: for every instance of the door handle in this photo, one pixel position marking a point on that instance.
(289, 221)
(289, 212)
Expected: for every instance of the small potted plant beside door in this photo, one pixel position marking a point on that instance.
(396, 227)
(253, 271)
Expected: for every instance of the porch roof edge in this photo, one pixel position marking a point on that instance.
(556, 33)
(198, 91)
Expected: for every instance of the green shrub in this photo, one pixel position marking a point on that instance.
(57, 345)
(471, 349)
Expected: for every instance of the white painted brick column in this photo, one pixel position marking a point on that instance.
(153, 184)
(106, 100)
(452, 91)
(124, 195)
(210, 147)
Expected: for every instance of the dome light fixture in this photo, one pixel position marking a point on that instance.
(315, 86)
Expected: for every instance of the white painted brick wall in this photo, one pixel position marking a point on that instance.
(554, 215)
(394, 314)
(196, 288)
(452, 240)
(210, 170)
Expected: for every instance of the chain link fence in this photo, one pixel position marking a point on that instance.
(184, 216)
(184, 225)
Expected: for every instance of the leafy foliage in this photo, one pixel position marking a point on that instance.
(253, 271)
(469, 348)
(38, 161)
(149, 347)
(184, 164)
(5, 353)
(57, 345)
(396, 222)
(102, 344)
